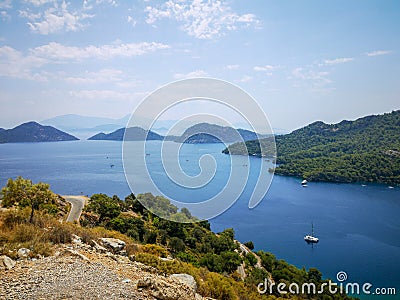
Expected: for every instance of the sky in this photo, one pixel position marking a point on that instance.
(302, 61)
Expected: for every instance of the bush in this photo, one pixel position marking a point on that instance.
(60, 233)
(155, 250)
(249, 245)
(176, 245)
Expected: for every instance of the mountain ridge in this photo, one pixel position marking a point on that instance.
(34, 132)
(131, 134)
(197, 134)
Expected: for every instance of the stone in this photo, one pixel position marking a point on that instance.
(185, 279)
(165, 289)
(98, 247)
(7, 262)
(76, 239)
(23, 253)
(115, 245)
(76, 253)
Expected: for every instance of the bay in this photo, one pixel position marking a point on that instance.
(358, 226)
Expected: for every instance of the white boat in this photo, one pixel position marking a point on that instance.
(310, 238)
(304, 183)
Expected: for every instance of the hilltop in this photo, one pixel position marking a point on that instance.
(211, 133)
(131, 134)
(34, 132)
(364, 150)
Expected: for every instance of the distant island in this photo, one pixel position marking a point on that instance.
(205, 133)
(364, 150)
(34, 132)
(132, 134)
(202, 133)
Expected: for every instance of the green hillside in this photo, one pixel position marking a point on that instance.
(364, 150)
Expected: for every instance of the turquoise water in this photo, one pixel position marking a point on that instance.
(358, 226)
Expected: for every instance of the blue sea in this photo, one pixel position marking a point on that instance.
(358, 226)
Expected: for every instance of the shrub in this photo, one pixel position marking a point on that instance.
(155, 250)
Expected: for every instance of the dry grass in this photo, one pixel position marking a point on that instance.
(46, 231)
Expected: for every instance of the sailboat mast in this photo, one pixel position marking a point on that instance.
(312, 229)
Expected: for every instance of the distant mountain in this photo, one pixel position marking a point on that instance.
(211, 133)
(84, 123)
(34, 132)
(364, 150)
(132, 134)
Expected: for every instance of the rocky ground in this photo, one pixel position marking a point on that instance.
(81, 271)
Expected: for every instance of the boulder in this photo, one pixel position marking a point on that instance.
(166, 289)
(23, 253)
(77, 254)
(7, 262)
(115, 245)
(185, 279)
(76, 239)
(98, 247)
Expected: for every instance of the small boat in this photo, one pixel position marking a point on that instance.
(391, 187)
(310, 238)
(304, 183)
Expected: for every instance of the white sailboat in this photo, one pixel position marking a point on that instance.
(311, 238)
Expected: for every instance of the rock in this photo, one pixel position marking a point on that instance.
(23, 253)
(185, 279)
(165, 289)
(115, 245)
(76, 239)
(76, 253)
(98, 247)
(7, 262)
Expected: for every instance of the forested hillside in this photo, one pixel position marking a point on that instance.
(364, 150)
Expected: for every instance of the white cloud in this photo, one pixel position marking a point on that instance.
(39, 2)
(264, 68)
(54, 19)
(194, 74)
(317, 78)
(232, 67)
(267, 69)
(59, 52)
(110, 2)
(338, 60)
(15, 65)
(5, 4)
(99, 94)
(131, 21)
(246, 78)
(102, 76)
(379, 52)
(201, 19)
(4, 15)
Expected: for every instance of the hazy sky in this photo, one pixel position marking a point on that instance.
(301, 60)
